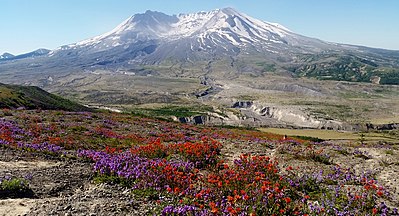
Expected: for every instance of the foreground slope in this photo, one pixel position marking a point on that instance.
(30, 97)
(84, 163)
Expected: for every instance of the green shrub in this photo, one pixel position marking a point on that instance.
(15, 187)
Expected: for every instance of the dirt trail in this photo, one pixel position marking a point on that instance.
(14, 207)
(63, 187)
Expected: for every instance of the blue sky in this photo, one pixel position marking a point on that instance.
(26, 25)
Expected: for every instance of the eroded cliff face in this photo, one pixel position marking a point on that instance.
(255, 114)
(293, 116)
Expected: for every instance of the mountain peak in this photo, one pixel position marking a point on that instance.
(229, 10)
(214, 31)
(150, 12)
(6, 55)
(41, 51)
(231, 25)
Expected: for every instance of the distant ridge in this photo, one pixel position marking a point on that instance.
(39, 52)
(6, 55)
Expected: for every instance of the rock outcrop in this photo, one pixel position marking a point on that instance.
(242, 104)
(259, 114)
(391, 126)
(254, 114)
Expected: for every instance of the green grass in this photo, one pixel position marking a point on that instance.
(174, 110)
(112, 179)
(31, 97)
(266, 67)
(313, 139)
(389, 152)
(354, 95)
(14, 184)
(329, 134)
(247, 97)
(345, 68)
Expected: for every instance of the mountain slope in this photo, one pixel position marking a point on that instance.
(219, 43)
(13, 96)
(223, 31)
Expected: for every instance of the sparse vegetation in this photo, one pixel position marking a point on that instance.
(191, 169)
(266, 67)
(14, 187)
(247, 97)
(345, 68)
(166, 112)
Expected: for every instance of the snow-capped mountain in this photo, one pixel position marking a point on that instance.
(224, 39)
(218, 31)
(227, 23)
